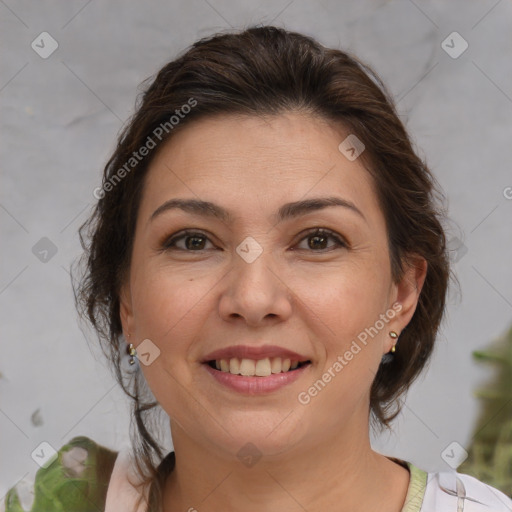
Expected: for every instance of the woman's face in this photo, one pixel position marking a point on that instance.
(261, 278)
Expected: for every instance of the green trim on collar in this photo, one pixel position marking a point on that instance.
(416, 490)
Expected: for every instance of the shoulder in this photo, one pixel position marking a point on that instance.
(77, 474)
(451, 491)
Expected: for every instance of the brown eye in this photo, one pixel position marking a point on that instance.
(318, 240)
(193, 242)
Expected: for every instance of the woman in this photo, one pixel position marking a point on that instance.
(266, 254)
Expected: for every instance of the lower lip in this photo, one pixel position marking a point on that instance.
(256, 385)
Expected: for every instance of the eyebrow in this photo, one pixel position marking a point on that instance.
(285, 212)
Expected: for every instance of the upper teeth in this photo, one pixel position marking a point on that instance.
(259, 368)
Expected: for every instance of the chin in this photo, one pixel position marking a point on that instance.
(259, 433)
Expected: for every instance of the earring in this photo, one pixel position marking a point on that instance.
(131, 352)
(389, 356)
(393, 335)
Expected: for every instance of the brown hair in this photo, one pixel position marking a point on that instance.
(258, 71)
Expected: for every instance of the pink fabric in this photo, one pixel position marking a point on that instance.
(121, 495)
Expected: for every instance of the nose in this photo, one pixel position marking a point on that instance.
(256, 293)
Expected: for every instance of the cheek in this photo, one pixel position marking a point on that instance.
(352, 301)
(166, 302)
(347, 299)
(352, 356)
(169, 309)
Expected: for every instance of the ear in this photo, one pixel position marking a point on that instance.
(408, 289)
(126, 310)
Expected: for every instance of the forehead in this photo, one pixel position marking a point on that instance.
(250, 163)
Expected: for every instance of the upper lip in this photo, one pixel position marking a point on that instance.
(253, 352)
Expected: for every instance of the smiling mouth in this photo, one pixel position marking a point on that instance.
(256, 368)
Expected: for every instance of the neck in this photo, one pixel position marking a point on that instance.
(342, 472)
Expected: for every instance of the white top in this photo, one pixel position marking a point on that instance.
(446, 491)
(451, 491)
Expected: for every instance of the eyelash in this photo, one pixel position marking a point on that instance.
(169, 243)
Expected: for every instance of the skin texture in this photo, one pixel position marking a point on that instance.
(313, 299)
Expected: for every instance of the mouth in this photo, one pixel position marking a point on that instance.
(256, 367)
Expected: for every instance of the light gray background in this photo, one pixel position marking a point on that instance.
(60, 117)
